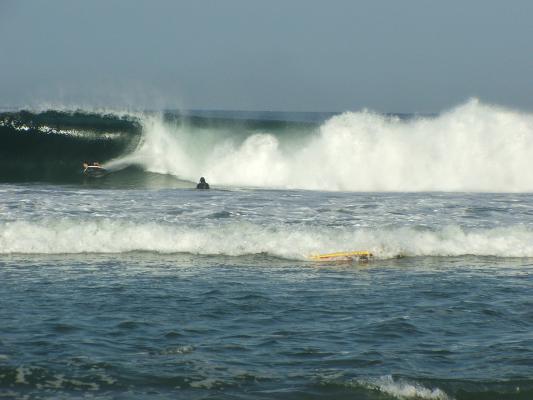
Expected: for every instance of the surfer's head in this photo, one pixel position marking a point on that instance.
(202, 180)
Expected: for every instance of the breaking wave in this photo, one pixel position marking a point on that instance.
(402, 389)
(72, 235)
(474, 147)
(50, 145)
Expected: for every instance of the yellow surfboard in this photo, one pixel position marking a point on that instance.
(363, 255)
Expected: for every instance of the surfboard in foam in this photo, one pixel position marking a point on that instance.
(360, 255)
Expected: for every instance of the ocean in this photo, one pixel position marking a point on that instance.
(136, 285)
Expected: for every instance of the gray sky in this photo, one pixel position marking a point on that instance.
(292, 55)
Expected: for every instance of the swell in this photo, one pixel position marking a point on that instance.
(51, 145)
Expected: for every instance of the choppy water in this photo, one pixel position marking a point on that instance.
(137, 286)
(173, 293)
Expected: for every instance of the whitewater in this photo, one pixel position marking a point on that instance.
(474, 147)
(136, 285)
(288, 224)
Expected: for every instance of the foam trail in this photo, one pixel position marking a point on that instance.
(163, 150)
(72, 235)
(403, 390)
(474, 147)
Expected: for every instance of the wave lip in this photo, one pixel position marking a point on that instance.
(51, 145)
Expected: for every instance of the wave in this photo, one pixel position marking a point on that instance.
(427, 389)
(50, 145)
(75, 235)
(474, 147)
(402, 389)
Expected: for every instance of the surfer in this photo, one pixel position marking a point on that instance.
(93, 169)
(94, 164)
(202, 184)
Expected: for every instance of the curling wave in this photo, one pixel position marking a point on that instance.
(474, 147)
(50, 145)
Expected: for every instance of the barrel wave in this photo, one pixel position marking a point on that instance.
(50, 145)
(474, 147)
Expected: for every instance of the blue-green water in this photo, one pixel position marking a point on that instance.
(137, 286)
(174, 293)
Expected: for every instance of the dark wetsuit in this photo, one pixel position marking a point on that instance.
(202, 185)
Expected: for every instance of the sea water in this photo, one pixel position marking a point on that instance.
(177, 293)
(137, 286)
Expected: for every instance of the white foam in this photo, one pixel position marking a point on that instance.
(403, 390)
(474, 147)
(177, 350)
(21, 375)
(73, 235)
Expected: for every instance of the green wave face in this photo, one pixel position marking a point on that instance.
(50, 146)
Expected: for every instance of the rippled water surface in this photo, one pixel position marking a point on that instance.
(173, 293)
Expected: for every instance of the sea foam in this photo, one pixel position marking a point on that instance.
(73, 235)
(400, 389)
(473, 147)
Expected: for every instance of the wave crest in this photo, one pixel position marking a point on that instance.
(71, 235)
(403, 390)
(474, 147)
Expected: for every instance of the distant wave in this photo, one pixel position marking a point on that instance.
(75, 235)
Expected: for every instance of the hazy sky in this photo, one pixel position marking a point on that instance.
(300, 55)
